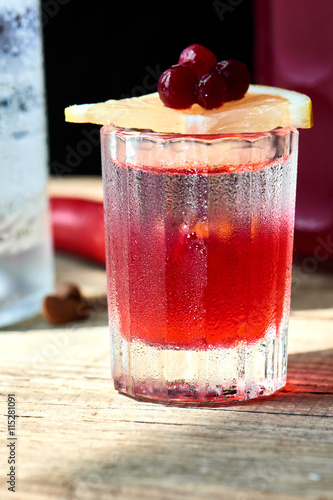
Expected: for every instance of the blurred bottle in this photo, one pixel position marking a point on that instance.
(26, 265)
(293, 49)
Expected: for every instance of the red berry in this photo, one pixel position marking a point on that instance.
(198, 58)
(176, 87)
(211, 90)
(237, 77)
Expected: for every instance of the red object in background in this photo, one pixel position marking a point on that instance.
(293, 49)
(78, 227)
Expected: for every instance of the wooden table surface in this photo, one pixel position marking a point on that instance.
(77, 438)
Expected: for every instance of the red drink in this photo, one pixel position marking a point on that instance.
(199, 259)
(199, 198)
(202, 282)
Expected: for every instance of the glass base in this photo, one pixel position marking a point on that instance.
(186, 377)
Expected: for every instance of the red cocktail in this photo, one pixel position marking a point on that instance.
(199, 198)
(199, 234)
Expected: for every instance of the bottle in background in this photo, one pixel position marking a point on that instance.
(26, 267)
(293, 49)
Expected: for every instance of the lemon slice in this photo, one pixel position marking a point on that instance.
(262, 109)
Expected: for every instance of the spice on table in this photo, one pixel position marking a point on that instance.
(68, 305)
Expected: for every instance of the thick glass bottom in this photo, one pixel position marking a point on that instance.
(205, 377)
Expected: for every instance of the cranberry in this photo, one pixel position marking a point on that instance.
(211, 90)
(198, 58)
(236, 75)
(176, 87)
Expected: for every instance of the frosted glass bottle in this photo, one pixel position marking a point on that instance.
(26, 263)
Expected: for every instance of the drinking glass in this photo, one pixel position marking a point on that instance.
(199, 239)
(26, 265)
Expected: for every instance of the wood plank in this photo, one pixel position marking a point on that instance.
(79, 439)
(77, 187)
(76, 433)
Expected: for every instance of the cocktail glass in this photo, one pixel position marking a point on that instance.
(199, 239)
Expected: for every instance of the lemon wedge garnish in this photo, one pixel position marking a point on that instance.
(262, 109)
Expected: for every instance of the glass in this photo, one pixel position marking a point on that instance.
(199, 239)
(26, 270)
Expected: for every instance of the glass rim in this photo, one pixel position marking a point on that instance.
(129, 133)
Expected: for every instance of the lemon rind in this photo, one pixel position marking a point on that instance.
(120, 113)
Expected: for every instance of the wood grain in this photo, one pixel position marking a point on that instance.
(79, 439)
(77, 187)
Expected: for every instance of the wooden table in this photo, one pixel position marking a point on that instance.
(77, 438)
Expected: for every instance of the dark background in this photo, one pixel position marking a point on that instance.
(100, 50)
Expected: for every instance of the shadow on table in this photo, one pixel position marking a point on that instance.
(312, 371)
